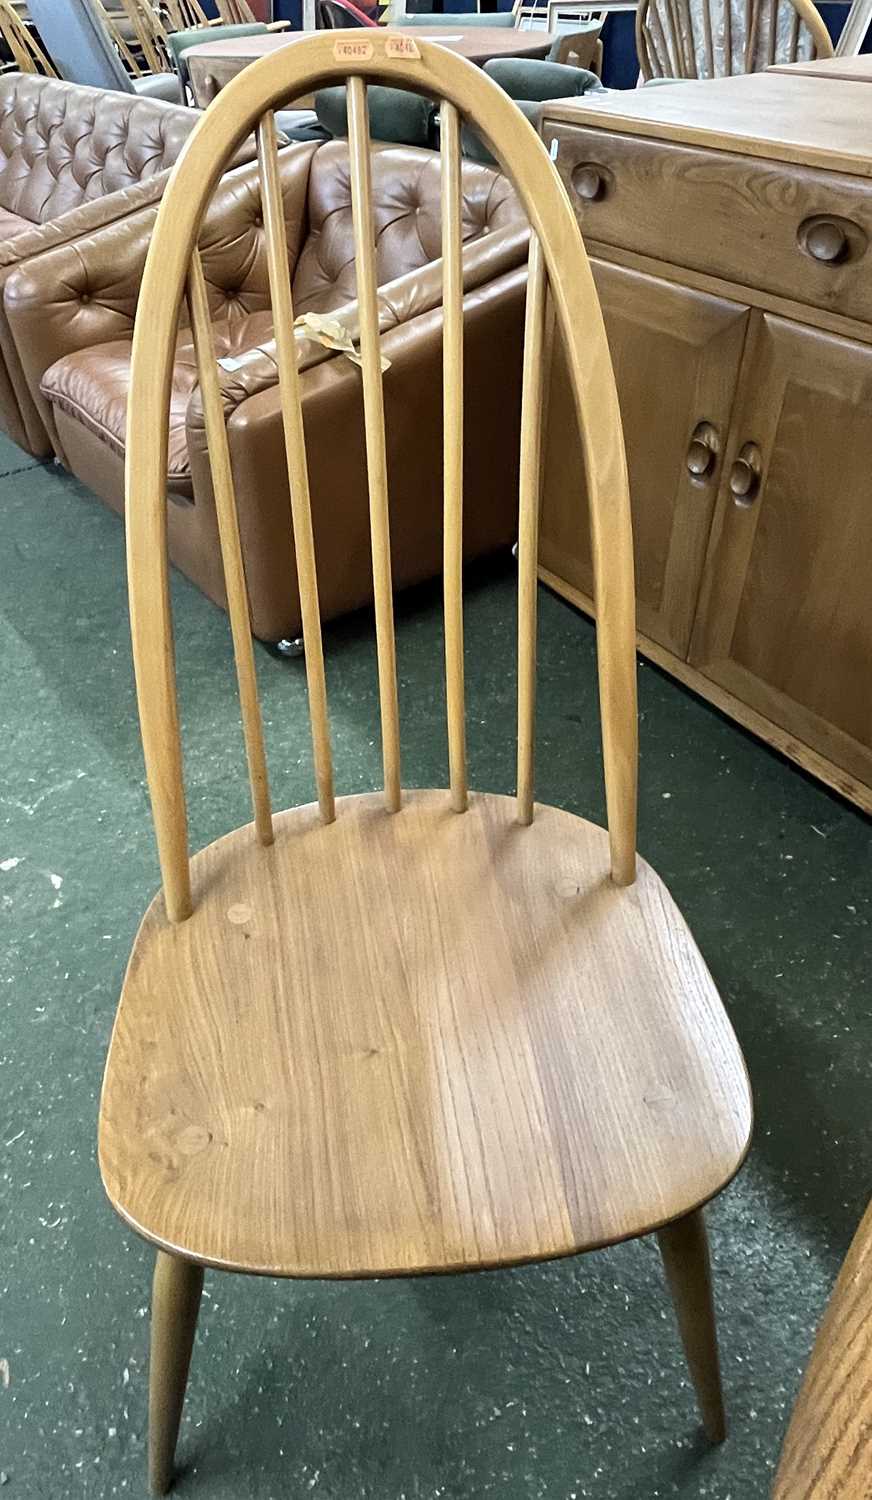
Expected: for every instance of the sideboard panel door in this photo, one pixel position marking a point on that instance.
(676, 354)
(785, 616)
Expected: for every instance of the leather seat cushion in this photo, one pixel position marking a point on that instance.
(92, 385)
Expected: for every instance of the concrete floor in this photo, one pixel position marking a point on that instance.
(561, 1382)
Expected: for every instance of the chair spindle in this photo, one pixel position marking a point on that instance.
(376, 456)
(295, 451)
(452, 419)
(231, 548)
(528, 524)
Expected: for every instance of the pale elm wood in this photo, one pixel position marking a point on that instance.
(803, 755)
(26, 52)
(231, 549)
(405, 1041)
(775, 115)
(676, 354)
(532, 402)
(797, 648)
(452, 424)
(374, 419)
(413, 1042)
(827, 1453)
(175, 1304)
(702, 209)
(842, 66)
(436, 71)
(117, 39)
(295, 453)
(148, 29)
(685, 1252)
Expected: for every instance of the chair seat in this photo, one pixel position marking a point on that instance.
(92, 385)
(415, 1042)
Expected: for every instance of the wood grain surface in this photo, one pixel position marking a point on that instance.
(413, 1042)
(828, 1449)
(785, 117)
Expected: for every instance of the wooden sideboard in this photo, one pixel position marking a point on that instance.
(730, 228)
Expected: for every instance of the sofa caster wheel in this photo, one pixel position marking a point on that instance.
(291, 648)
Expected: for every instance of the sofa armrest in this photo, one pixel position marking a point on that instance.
(73, 297)
(399, 301)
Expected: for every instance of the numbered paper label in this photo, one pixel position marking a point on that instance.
(352, 51)
(401, 46)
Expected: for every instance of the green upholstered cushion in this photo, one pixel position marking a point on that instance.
(529, 81)
(394, 114)
(531, 78)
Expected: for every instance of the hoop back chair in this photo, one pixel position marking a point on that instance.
(410, 1031)
(827, 1453)
(27, 54)
(718, 38)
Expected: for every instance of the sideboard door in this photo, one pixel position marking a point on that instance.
(676, 354)
(785, 614)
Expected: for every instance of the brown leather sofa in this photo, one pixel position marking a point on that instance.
(72, 316)
(72, 160)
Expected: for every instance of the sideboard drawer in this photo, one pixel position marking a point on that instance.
(794, 231)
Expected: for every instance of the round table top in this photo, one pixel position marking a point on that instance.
(479, 43)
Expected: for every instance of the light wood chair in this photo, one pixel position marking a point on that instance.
(411, 1031)
(717, 38)
(853, 33)
(183, 14)
(148, 29)
(828, 1449)
(27, 55)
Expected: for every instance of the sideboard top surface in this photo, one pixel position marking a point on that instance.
(816, 121)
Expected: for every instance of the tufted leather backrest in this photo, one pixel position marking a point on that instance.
(62, 145)
(406, 207)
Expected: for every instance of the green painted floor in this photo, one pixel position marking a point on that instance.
(561, 1382)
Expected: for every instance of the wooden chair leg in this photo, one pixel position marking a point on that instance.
(684, 1247)
(174, 1308)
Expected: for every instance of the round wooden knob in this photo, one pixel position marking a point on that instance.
(826, 241)
(589, 182)
(699, 459)
(743, 482)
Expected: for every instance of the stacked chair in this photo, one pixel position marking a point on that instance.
(22, 45)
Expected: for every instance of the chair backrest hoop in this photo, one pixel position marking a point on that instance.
(300, 68)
